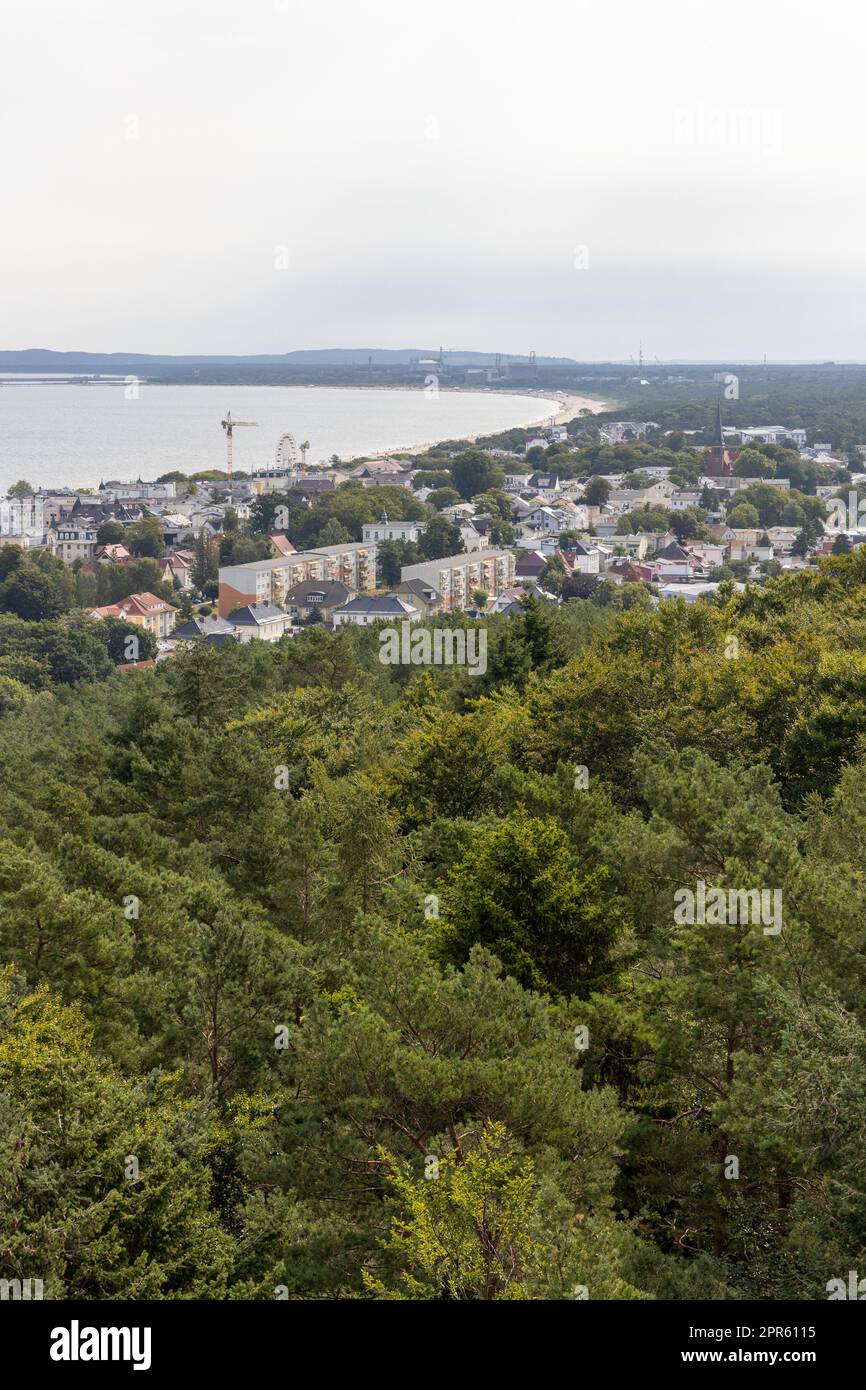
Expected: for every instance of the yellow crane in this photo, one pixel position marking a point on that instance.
(230, 425)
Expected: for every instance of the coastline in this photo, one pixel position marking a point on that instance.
(569, 406)
(156, 449)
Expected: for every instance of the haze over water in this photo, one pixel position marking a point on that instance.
(77, 436)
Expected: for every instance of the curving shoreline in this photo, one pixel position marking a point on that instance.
(566, 407)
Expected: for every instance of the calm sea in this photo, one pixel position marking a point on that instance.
(76, 436)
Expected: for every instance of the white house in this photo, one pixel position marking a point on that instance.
(386, 530)
(673, 563)
(373, 608)
(583, 559)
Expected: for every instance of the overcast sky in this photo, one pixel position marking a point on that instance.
(263, 175)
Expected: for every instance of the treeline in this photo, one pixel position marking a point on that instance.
(331, 978)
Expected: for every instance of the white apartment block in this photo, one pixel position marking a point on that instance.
(766, 434)
(456, 576)
(23, 516)
(140, 491)
(268, 581)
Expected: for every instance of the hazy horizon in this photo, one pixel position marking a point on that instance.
(242, 179)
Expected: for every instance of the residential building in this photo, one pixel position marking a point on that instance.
(374, 608)
(684, 498)
(425, 598)
(545, 485)
(530, 564)
(268, 581)
(692, 592)
(386, 530)
(140, 491)
(380, 468)
(281, 543)
(619, 431)
(108, 554)
(627, 572)
(582, 559)
(262, 622)
(456, 576)
(145, 610)
(23, 517)
(74, 540)
(211, 629)
(709, 554)
(768, 434)
(312, 596)
(673, 563)
(177, 567)
(472, 538)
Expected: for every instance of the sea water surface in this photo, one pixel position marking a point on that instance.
(79, 435)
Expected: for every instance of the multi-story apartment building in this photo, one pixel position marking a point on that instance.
(457, 576)
(23, 517)
(142, 492)
(71, 539)
(268, 581)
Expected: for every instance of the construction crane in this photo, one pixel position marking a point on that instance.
(230, 425)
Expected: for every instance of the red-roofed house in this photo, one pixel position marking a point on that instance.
(177, 565)
(282, 545)
(145, 610)
(627, 572)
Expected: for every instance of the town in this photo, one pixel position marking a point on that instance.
(607, 511)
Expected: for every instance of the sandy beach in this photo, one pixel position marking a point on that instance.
(567, 407)
(570, 407)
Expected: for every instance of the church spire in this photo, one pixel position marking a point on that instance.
(719, 464)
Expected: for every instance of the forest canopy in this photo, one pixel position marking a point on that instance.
(307, 961)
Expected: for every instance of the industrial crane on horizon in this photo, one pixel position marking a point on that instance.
(229, 425)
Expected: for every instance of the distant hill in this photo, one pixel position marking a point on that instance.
(46, 359)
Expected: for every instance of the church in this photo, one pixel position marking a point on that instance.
(720, 463)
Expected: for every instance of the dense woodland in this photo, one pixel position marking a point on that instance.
(298, 949)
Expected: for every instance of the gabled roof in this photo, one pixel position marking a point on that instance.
(112, 552)
(281, 543)
(419, 588)
(332, 589)
(673, 552)
(254, 614)
(532, 562)
(383, 605)
(147, 602)
(627, 571)
(143, 605)
(204, 627)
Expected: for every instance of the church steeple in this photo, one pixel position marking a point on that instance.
(719, 464)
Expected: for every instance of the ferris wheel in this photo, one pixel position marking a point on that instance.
(287, 454)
